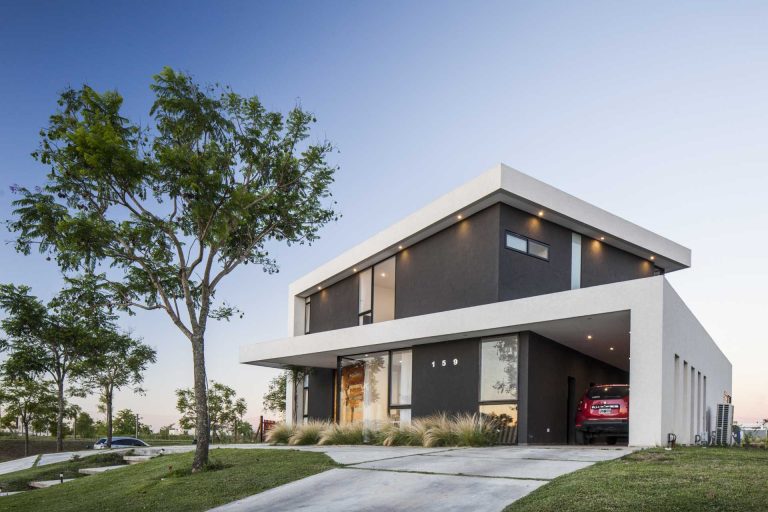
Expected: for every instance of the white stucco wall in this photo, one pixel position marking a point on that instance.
(686, 403)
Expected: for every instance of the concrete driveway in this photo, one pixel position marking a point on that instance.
(445, 479)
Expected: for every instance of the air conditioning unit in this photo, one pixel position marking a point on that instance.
(724, 425)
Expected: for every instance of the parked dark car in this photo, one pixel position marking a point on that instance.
(603, 411)
(120, 442)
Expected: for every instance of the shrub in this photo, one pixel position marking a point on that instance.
(352, 433)
(279, 434)
(308, 433)
(473, 430)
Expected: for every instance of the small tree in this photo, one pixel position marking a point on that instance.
(274, 398)
(53, 339)
(223, 408)
(120, 362)
(124, 422)
(174, 208)
(30, 401)
(85, 425)
(73, 411)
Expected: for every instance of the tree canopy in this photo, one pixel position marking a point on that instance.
(168, 210)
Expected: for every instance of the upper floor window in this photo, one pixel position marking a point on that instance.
(528, 246)
(307, 309)
(376, 295)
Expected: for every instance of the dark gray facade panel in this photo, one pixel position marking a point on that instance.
(455, 268)
(522, 275)
(335, 307)
(451, 388)
(320, 400)
(544, 394)
(604, 264)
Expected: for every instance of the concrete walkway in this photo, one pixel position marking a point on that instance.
(10, 466)
(444, 479)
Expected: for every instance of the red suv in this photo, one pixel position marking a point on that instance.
(604, 410)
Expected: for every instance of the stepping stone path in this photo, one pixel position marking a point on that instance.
(130, 459)
(44, 484)
(103, 469)
(137, 459)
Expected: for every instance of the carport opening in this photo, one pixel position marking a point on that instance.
(575, 389)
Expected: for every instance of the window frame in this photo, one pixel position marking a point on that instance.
(307, 315)
(527, 251)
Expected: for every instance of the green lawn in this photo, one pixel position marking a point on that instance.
(167, 483)
(685, 479)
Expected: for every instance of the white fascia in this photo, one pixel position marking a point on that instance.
(499, 184)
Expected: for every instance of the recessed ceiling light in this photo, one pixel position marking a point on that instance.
(541, 213)
(611, 348)
(319, 287)
(602, 238)
(400, 247)
(589, 336)
(354, 270)
(653, 258)
(459, 216)
(383, 274)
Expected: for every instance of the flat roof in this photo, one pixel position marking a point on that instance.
(506, 185)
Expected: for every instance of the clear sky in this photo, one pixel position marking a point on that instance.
(654, 111)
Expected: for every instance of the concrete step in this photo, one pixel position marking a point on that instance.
(44, 484)
(137, 459)
(11, 493)
(103, 469)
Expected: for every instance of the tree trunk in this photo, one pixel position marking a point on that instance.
(60, 418)
(202, 431)
(26, 439)
(108, 400)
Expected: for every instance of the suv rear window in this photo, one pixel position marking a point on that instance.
(604, 392)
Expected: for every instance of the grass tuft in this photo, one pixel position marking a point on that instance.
(308, 433)
(279, 434)
(353, 433)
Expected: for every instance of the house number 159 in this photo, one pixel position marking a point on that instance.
(444, 362)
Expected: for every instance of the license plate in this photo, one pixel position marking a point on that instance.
(605, 411)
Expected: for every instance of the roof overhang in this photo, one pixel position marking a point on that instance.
(506, 185)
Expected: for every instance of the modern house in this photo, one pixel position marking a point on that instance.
(506, 297)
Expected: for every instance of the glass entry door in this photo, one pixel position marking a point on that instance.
(363, 389)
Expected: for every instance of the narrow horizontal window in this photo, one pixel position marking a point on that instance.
(517, 243)
(538, 250)
(525, 245)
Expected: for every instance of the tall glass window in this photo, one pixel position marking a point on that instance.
(363, 389)
(401, 377)
(307, 311)
(384, 291)
(498, 384)
(365, 297)
(498, 369)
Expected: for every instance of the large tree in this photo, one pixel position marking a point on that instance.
(274, 398)
(173, 208)
(47, 340)
(28, 400)
(119, 362)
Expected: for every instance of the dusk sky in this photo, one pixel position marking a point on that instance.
(656, 112)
